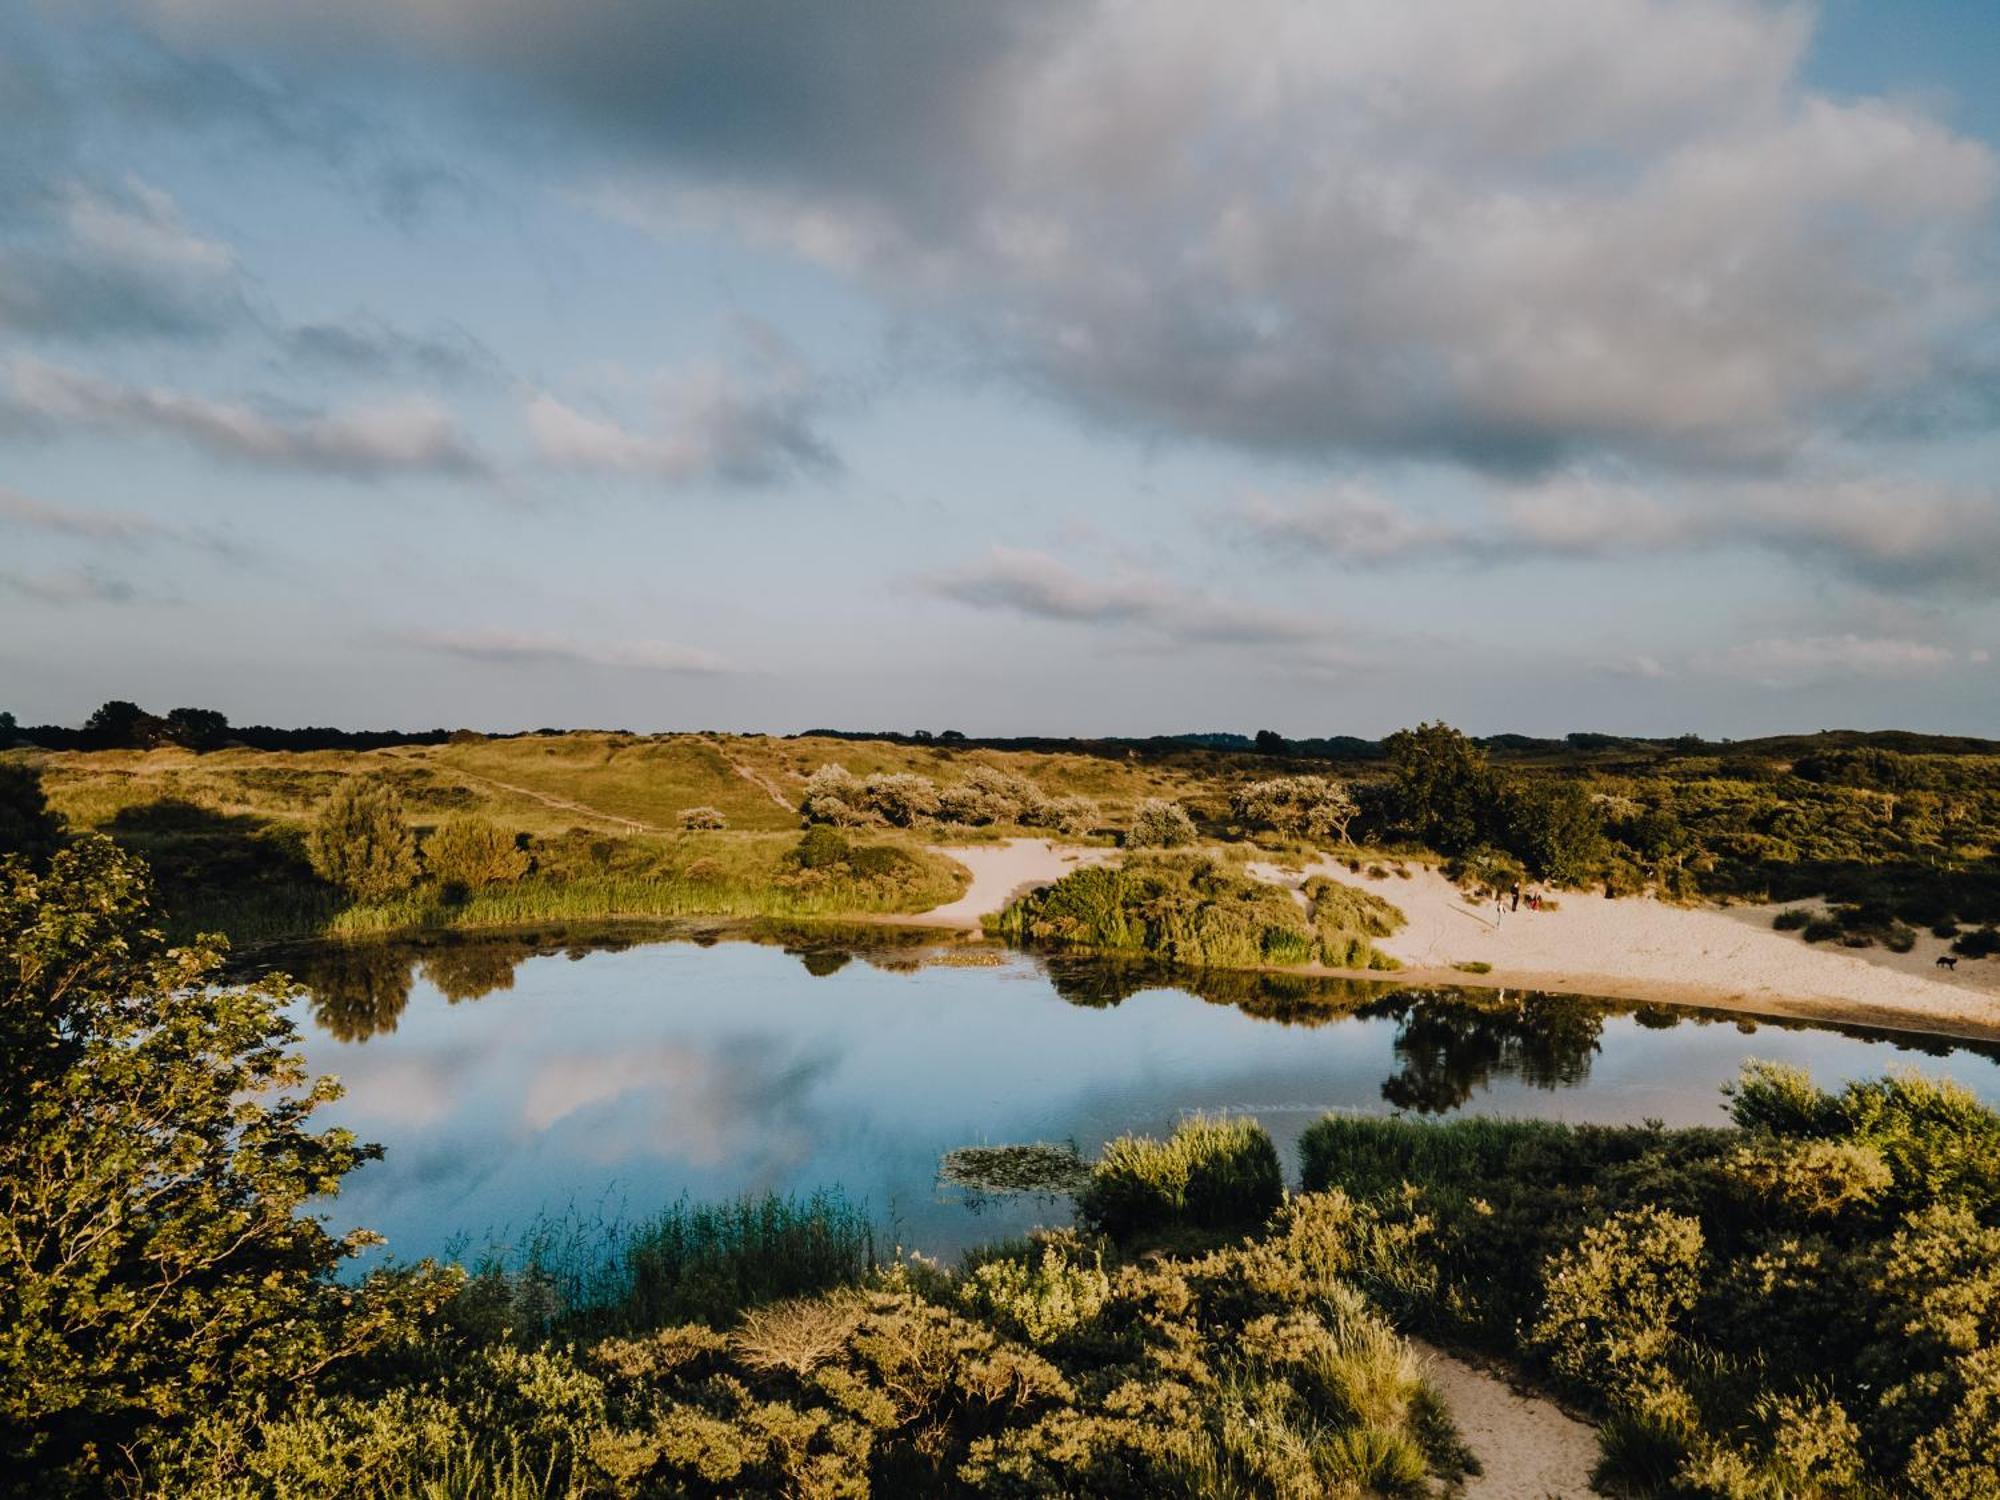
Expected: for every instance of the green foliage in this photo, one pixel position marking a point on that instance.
(1445, 789)
(1160, 825)
(1553, 828)
(154, 1158)
(1053, 1293)
(1197, 913)
(1209, 1174)
(361, 842)
(1807, 1303)
(470, 854)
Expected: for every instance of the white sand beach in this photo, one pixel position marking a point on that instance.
(1642, 949)
(1002, 871)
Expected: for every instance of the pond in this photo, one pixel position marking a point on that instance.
(602, 1078)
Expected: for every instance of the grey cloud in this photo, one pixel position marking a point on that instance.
(1406, 229)
(368, 347)
(70, 586)
(514, 648)
(1038, 586)
(126, 530)
(409, 435)
(1885, 533)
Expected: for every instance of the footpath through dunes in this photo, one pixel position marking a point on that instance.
(1528, 1447)
(1639, 948)
(1000, 872)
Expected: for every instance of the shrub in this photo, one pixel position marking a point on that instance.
(1791, 920)
(468, 854)
(987, 795)
(1308, 807)
(1981, 944)
(834, 795)
(1072, 816)
(1612, 1306)
(362, 843)
(902, 799)
(1822, 929)
(1158, 824)
(1051, 1294)
(701, 819)
(1209, 1174)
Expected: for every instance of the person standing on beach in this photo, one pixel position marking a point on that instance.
(1517, 898)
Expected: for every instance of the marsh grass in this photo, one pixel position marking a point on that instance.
(693, 1262)
(1210, 1174)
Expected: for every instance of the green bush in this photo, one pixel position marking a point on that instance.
(361, 843)
(1209, 1174)
(701, 819)
(1792, 919)
(469, 854)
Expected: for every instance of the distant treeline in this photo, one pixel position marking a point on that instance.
(1871, 758)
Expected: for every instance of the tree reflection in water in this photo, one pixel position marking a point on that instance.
(1451, 1045)
(358, 990)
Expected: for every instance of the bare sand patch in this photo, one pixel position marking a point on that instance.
(1528, 1447)
(1002, 871)
(1639, 948)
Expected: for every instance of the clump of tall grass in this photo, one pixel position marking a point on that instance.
(693, 1262)
(1209, 1174)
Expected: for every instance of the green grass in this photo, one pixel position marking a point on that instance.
(1198, 911)
(1210, 1174)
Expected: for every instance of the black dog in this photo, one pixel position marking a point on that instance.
(1948, 963)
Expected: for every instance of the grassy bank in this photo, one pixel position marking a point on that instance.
(1196, 911)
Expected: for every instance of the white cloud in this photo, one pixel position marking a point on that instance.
(747, 420)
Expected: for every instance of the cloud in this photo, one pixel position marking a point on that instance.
(412, 434)
(1889, 533)
(84, 263)
(69, 586)
(749, 420)
(507, 647)
(1037, 586)
(1809, 660)
(1626, 227)
(112, 528)
(368, 347)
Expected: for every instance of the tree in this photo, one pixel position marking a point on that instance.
(1446, 790)
(119, 725)
(197, 728)
(1270, 742)
(1309, 807)
(1555, 829)
(27, 826)
(155, 1157)
(362, 843)
(9, 728)
(469, 854)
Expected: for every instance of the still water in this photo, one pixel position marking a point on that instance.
(516, 1078)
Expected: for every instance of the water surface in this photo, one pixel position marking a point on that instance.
(515, 1078)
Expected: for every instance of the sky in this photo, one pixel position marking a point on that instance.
(1038, 367)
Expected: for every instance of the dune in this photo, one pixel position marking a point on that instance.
(1638, 948)
(1002, 871)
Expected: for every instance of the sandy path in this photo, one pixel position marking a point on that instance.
(1528, 1447)
(1642, 949)
(547, 799)
(1002, 871)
